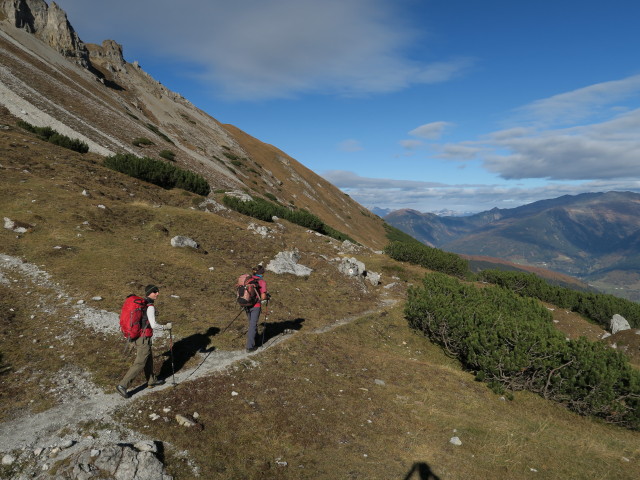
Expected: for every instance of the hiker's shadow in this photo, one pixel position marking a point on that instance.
(185, 349)
(421, 471)
(273, 329)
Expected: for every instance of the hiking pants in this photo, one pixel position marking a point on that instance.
(143, 362)
(253, 314)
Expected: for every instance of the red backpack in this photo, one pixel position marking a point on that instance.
(247, 290)
(131, 316)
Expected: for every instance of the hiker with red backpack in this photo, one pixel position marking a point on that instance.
(252, 294)
(137, 322)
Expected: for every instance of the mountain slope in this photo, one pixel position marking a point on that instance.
(94, 95)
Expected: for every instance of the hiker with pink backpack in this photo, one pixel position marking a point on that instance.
(252, 294)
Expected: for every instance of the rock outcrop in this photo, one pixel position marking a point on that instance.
(49, 23)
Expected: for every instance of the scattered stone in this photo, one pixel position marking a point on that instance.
(16, 226)
(287, 262)
(66, 444)
(146, 446)
(244, 197)
(187, 421)
(96, 299)
(618, 323)
(455, 441)
(8, 459)
(181, 242)
(211, 205)
(259, 230)
(379, 382)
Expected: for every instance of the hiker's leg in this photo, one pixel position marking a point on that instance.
(148, 366)
(143, 350)
(253, 315)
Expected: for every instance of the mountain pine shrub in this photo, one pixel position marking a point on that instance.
(158, 172)
(157, 131)
(509, 341)
(428, 257)
(598, 307)
(264, 210)
(50, 135)
(142, 141)
(168, 155)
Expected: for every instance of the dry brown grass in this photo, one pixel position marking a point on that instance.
(311, 401)
(314, 403)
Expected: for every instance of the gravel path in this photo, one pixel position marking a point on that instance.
(82, 400)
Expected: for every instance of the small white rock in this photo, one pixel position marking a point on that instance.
(455, 441)
(8, 459)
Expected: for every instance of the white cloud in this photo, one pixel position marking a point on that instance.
(433, 196)
(350, 145)
(608, 150)
(430, 131)
(578, 105)
(258, 49)
(458, 151)
(411, 144)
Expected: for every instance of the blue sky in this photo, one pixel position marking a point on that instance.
(463, 105)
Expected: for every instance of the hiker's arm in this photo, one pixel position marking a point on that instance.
(151, 316)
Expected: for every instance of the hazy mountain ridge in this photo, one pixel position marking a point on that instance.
(592, 236)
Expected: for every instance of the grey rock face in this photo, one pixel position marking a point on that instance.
(181, 242)
(287, 262)
(619, 323)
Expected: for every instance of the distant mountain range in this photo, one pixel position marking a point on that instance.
(594, 236)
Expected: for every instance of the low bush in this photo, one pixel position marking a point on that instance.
(157, 131)
(264, 210)
(510, 342)
(158, 172)
(428, 257)
(168, 155)
(598, 307)
(50, 135)
(142, 141)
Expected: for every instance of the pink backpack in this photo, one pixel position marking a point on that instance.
(247, 290)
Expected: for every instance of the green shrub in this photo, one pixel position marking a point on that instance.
(511, 343)
(142, 141)
(271, 197)
(157, 131)
(50, 135)
(229, 155)
(396, 235)
(158, 172)
(428, 257)
(168, 155)
(264, 210)
(595, 306)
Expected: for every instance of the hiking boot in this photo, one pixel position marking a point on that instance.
(122, 391)
(249, 350)
(155, 383)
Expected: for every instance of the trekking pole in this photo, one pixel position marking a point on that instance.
(173, 369)
(266, 318)
(234, 319)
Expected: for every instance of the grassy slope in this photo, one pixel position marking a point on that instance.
(311, 401)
